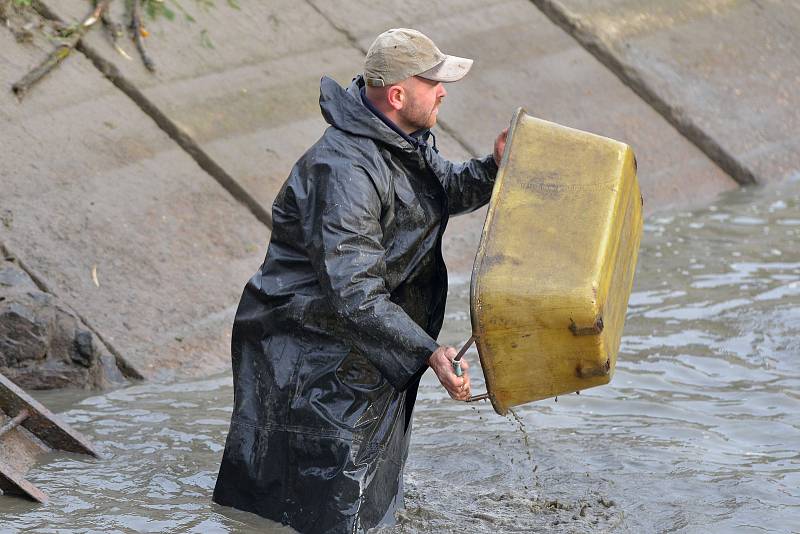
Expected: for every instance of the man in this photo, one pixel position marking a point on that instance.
(335, 330)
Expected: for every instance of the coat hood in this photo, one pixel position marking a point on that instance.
(344, 110)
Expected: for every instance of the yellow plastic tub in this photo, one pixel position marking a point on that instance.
(555, 265)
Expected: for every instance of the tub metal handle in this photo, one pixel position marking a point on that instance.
(457, 367)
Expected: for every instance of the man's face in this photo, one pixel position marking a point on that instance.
(423, 98)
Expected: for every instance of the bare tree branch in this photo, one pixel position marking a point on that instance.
(113, 30)
(61, 52)
(138, 29)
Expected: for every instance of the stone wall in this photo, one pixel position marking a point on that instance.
(43, 344)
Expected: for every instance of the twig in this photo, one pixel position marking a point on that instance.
(113, 30)
(61, 52)
(138, 38)
(22, 33)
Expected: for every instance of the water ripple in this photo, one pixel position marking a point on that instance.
(698, 431)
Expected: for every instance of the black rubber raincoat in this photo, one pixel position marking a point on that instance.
(333, 332)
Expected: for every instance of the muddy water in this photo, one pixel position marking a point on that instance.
(698, 432)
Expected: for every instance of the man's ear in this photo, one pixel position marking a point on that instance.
(396, 97)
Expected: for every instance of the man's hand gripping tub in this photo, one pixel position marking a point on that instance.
(441, 361)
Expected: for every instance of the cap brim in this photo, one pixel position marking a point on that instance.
(452, 69)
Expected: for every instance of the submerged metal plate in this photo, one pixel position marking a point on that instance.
(28, 429)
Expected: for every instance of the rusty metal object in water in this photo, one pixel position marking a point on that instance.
(28, 429)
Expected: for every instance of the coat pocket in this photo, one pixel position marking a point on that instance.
(368, 390)
(408, 210)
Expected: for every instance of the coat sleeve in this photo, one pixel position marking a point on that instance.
(468, 185)
(344, 243)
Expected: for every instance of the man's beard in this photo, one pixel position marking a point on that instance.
(419, 117)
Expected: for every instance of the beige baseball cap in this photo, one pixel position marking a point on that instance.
(401, 53)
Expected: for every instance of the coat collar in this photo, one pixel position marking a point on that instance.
(348, 111)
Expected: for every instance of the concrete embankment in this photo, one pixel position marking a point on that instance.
(91, 184)
(725, 73)
(161, 183)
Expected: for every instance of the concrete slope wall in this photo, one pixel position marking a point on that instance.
(89, 182)
(250, 102)
(726, 73)
(164, 181)
(523, 59)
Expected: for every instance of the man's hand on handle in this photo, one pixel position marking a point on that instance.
(441, 361)
(500, 146)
